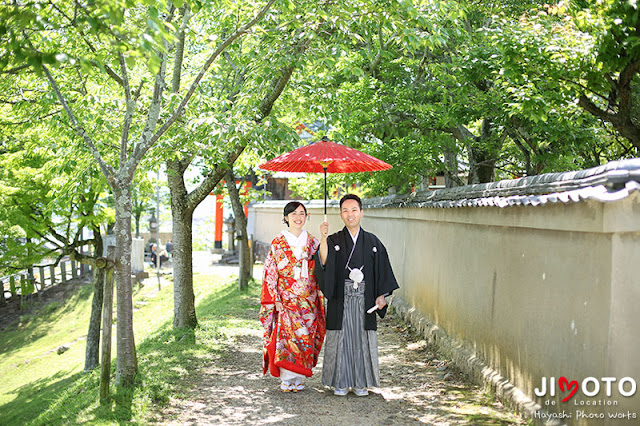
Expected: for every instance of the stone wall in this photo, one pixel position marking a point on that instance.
(519, 281)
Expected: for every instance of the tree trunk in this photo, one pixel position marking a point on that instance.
(241, 229)
(138, 225)
(127, 365)
(451, 173)
(184, 309)
(92, 353)
(481, 164)
(183, 204)
(107, 326)
(482, 156)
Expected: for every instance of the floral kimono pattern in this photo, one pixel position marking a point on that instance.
(292, 338)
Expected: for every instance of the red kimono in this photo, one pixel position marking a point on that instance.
(292, 338)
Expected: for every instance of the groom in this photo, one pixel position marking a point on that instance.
(355, 275)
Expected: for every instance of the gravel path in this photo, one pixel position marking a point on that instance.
(416, 388)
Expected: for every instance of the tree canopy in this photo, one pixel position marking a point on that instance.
(481, 91)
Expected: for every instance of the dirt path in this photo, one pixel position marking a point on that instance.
(415, 389)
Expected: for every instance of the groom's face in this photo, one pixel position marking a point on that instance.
(351, 213)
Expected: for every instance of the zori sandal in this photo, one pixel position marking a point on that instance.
(285, 386)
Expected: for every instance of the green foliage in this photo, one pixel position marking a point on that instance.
(34, 33)
(50, 388)
(614, 25)
(547, 59)
(386, 75)
(48, 197)
(505, 73)
(312, 186)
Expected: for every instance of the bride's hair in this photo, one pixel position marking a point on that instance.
(290, 208)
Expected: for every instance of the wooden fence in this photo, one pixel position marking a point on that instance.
(39, 277)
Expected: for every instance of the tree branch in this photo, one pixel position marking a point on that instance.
(585, 88)
(14, 70)
(624, 88)
(82, 258)
(61, 238)
(629, 72)
(23, 100)
(147, 137)
(592, 108)
(80, 131)
(136, 94)
(146, 144)
(277, 88)
(461, 133)
(46, 238)
(179, 55)
(195, 197)
(517, 139)
(375, 63)
(131, 106)
(31, 120)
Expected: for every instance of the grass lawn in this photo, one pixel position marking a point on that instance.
(41, 387)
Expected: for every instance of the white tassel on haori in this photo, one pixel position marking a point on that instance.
(356, 276)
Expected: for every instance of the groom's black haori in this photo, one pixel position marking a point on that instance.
(378, 275)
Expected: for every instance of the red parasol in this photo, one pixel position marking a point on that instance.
(325, 157)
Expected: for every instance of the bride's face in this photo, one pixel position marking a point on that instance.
(297, 218)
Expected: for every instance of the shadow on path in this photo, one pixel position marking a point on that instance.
(232, 390)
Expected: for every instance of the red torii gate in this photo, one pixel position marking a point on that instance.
(217, 243)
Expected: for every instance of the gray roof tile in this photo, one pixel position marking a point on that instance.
(610, 182)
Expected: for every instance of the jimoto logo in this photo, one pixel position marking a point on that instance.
(590, 387)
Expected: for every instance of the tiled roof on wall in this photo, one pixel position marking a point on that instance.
(611, 182)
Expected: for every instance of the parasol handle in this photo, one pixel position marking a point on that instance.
(325, 193)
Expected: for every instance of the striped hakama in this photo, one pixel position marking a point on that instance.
(351, 354)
